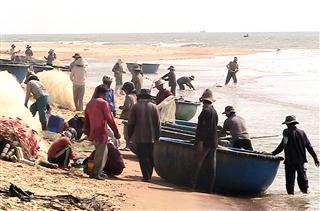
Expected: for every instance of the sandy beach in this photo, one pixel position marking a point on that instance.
(125, 52)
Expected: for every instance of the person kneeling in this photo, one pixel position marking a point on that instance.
(60, 152)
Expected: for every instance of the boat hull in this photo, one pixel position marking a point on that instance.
(150, 68)
(18, 70)
(186, 110)
(237, 171)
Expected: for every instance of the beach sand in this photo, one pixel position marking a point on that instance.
(125, 52)
(127, 192)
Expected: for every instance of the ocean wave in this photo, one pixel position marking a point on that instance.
(183, 44)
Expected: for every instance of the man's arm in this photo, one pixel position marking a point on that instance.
(131, 122)
(311, 150)
(27, 95)
(156, 123)
(110, 121)
(86, 123)
(165, 77)
(281, 146)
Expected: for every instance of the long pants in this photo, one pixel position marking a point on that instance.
(41, 106)
(233, 76)
(200, 158)
(145, 155)
(78, 93)
(100, 158)
(181, 86)
(290, 171)
(173, 89)
(62, 158)
(243, 143)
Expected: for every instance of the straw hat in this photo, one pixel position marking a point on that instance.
(191, 77)
(119, 61)
(290, 119)
(207, 95)
(106, 79)
(228, 110)
(51, 51)
(13, 46)
(81, 62)
(76, 56)
(158, 83)
(28, 46)
(171, 68)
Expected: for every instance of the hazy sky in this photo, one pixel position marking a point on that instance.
(113, 16)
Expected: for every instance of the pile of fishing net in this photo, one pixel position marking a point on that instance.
(17, 134)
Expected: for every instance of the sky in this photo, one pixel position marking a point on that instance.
(143, 16)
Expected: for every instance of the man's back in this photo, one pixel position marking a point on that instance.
(236, 125)
(184, 80)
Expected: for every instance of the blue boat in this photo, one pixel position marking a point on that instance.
(238, 171)
(18, 70)
(150, 68)
(185, 110)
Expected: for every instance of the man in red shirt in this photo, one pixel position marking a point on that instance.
(163, 92)
(60, 151)
(97, 119)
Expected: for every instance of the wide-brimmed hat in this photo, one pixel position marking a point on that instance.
(28, 46)
(207, 95)
(137, 68)
(13, 46)
(145, 93)
(228, 110)
(76, 56)
(290, 119)
(119, 61)
(158, 83)
(171, 68)
(128, 86)
(191, 77)
(81, 62)
(106, 79)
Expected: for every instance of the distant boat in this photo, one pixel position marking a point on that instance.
(246, 35)
(146, 67)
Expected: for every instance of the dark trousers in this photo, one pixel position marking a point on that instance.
(291, 176)
(62, 158)
(233, 76)
(173, 89)
(181, 86)
(145, 155)
(243, 143)
(200, 158)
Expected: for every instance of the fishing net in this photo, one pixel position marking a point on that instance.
(59, 86)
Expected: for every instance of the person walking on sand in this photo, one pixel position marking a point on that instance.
(206, 142)
(78, 77)
(171, 77)
(137, 78)
(98, 117)
(76, 56)
(60, 151)
(36, 88)
(51, 57)
(118, 72)
(28, 52)
(109, 97)
(237, 128)
(144, 126)
(233, 68)
(294, 143)
(185, 81)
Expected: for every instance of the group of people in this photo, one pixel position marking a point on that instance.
(144, 124)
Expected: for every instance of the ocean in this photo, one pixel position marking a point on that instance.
(271, 85)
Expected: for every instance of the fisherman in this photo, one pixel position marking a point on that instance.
(13, 52)
(109, 97)
(185, 81)
(137, 78)
(76, 122)
(144, 126)
(237, 128)
(78, 77)
(114, 165)
(76, 56)
(163, 92)
(51, 57)
(171, 77)
(97, 117)
(206, 141)
(118, 71)
(233, 68)
(60, 151)
(28, 52)
(41, 96)
(130, 100)
(294, 143)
